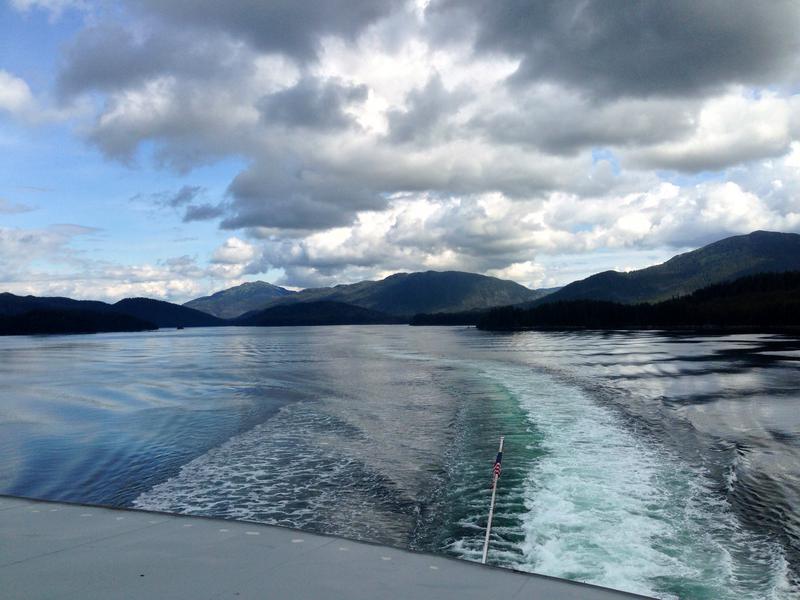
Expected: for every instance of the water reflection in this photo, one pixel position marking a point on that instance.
(383, 433)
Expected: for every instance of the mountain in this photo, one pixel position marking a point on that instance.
(406, 294)
(767, 301)
(727, 259)
(235, 301)
(11, 304)
(140, 313)
(165, 314)
(65, 320)
(323, 312)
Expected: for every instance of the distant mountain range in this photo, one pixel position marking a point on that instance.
(406, 294)
(11, 305)
(449, 297)
(32, 314)
(166, 314)
(432, 293)
(399, 295)
(236, 301)
(725, 260)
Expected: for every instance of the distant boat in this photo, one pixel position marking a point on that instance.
(179, 327)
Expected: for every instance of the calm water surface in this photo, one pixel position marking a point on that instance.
(666, 465)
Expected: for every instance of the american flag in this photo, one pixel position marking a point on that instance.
(496, 470)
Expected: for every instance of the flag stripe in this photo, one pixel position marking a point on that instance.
(497, 468)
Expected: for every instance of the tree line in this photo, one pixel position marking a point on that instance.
(767, 300)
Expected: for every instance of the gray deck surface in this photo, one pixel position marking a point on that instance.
(64, 551)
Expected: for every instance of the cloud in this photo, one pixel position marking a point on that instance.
(308, 196)
(325, 143)
(313, 103)
(54, 7)
(182, 197)
(234, 251)
(43, 262)
(111, 57)
(21, 247)
(529, 273)
(202, 212)
(562, 122)
(15, 95)
(425, 109)
(281, 26)
(650, 48)
(18, 101)
(232, 259)
(496, 235)
(176, 279)
(495, 137)
(324, 184)
(12, 208)
(729, 130)
(412, 234)
(192, 123)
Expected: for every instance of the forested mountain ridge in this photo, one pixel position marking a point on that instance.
(766, 300)
(727, 259)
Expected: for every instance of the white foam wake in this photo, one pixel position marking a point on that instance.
(286, 472)
(609, 507)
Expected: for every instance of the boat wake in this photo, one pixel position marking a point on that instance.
(605, 506)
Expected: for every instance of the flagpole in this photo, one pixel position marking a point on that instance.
(495, 477)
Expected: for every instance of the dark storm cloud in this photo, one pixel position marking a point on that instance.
(283, 26)
(642, 48)
(312, 103)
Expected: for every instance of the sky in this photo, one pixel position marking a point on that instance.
(171, 148)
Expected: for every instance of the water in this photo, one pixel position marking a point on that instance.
(665, 465)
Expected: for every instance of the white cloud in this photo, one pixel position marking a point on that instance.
(529, 273)
(45, 262)
(54, 7)
(729, 130)
(380, 143)
(111, 283)
(20, 247)
(506, 238)
(793, 158)
(18, 101)
(15, 95)
(230, 259)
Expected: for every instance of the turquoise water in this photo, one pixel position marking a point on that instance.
(657, 464)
